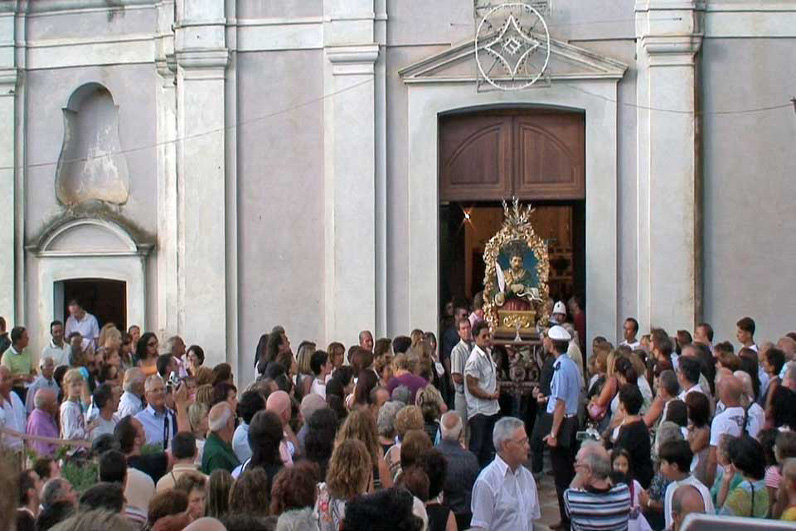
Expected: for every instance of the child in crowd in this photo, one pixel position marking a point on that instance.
(321, 368)
(622, 473)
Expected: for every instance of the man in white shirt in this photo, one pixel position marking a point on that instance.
(630, 331)
(13, 415)
(704, 334)
(505, 497)
(675, 458)
(732, 421)
(459, 356)
(81, 321)
(131, 402)
(176, 347)
(481, 394)
(57, 349)
(756, 414)
(321, 367)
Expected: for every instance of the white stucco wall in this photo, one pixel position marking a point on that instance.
(280, 194)
(750, 224)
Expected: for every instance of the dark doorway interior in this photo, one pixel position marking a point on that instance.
(465, 229)
(106, 299)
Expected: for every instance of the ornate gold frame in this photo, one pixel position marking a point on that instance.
(516, 226)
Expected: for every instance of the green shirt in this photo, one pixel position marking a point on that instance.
(18, 363)
(218, 454)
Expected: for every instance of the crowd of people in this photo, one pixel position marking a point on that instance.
(398, 433)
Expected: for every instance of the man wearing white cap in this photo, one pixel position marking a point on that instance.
(563, 406)
(559, 315)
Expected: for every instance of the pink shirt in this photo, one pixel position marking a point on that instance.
(42, 424)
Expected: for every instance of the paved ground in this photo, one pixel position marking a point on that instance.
(547, 501)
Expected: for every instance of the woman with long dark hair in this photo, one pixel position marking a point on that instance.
(146, 353)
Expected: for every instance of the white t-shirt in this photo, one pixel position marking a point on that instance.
(730, 422)
(693, 389)
(318, 388)
(634, 345)
(757, 419)
(690, 480)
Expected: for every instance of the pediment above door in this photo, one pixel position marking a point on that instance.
(458, 65)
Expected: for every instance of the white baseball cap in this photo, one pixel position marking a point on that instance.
(560, 308)
(559, 333)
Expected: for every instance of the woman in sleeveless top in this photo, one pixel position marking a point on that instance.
(349, 476)
(361, 426)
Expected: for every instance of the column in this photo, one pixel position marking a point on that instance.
(670, 286)
(350, 167)
(166, 100)
(202, 58)
(8, 166)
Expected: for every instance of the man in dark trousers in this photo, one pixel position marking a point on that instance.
(563, 406)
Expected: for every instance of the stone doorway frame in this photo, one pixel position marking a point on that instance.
(55, 258)
(592, 90)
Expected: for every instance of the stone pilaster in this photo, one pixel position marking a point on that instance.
(350, 167)
(9, 164)
(202, 59)
(670, 288)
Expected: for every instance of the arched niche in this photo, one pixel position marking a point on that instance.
(91, 166)
(86, 248)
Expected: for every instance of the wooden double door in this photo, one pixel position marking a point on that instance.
(533, 154)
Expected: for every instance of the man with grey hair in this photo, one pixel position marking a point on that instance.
(45, 380)
(41, 421)
(591, 492)
(176, 347)
(131, 402)
(462, 468)
(685, 500)
(160, 423)
(505, 496)
(218, 451)
(401, 394)
(789, 380)
(58, 490)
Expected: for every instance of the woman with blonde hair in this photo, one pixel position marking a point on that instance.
(197, 418)
(73, 423)
(599, 405)
(349, 475)
(383, 367)
(430, 402)
(360, 426)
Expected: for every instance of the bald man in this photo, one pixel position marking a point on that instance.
(754, 411)
(686, 500)
(279, 402)
(206, 524)
(733, 421)
(218, 451)
(42, 421)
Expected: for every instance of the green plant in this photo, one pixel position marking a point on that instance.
(149, 449)
(82, 474)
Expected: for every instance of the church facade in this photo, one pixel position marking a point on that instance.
(236, 164)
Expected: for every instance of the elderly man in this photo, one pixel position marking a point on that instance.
(18, 361)
(80, 320)
(591, 492)
(309, 405)
(131, 402)
(504, 495)
(57, 349)
(160, 423)
(44, 381)
(462, 469)
(789, 380)
(176, 347)
(58, 490)
(218, 451)
(279, 402)
(686, 500)
(562, 405)
(41, 422)
(13, 415)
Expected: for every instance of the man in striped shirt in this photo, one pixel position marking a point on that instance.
(591, 502)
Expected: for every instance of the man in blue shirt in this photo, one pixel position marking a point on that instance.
(160, 423)
(563, 406)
